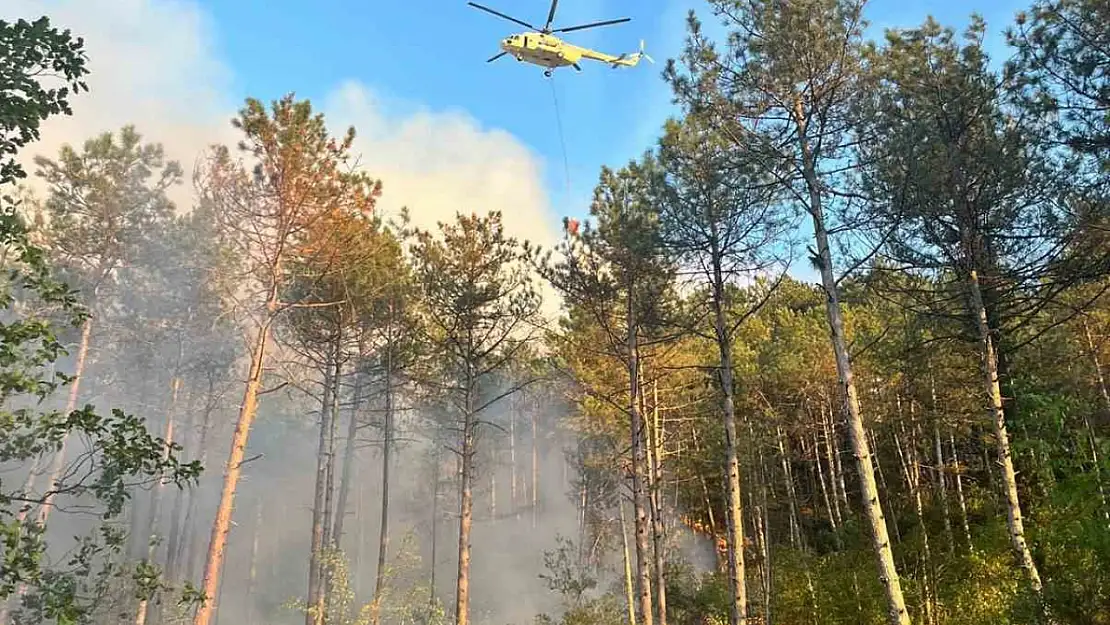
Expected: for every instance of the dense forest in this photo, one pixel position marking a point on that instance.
(278, 403)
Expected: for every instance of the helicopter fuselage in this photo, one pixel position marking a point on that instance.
(541, 49)
(550, 52)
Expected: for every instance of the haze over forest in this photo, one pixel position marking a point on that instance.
(248, 387)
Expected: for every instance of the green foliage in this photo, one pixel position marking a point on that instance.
(29, 52)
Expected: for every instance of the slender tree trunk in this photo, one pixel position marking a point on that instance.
(313, 615)
(173, 540)
(636, 432)
(435, 532)
(71, 405)
(513, 502)
(832, 461)
(912, 474)
(252, 580)
(659, 537)
(247, 410)
(942, 486)
(348, 464)
(959, 482)
(535, 468)
(768, 565)
(869, 490)
(737, 578)
(387, 455)
(822, 482)
(150, 529)
(466, 503)
(834, 427)
(1092, 441)
(188, 552)
(629, 593)
(1002, 437)
(333, 420)
(791, 493)
(1099, 377)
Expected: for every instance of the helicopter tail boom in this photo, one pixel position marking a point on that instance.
(631, 60)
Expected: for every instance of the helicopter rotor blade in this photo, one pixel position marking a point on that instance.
(501, 15)
(495, 57)
(592, 25)
(551, 15)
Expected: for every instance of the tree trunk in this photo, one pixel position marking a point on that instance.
(636, 433)
(222, 524)
(1099, 377)
(535, 468)
(188, 552)
(71, 405)
(659, 536)
(959, 481)
(314, 616)
(252, 580)
(387, 453)
(330, 545)
(791, 493)
(869, 490)
(435, 533)
(150, 529)
(628, 589)
(345, 478)
(912, 474)
(466, 503)
(822, 482)
(737, 578)
(1002, 437)
(173, 540)
(513, 503)
(832, 457)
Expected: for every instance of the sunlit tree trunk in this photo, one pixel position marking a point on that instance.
(989, 361)
(957, 469)
(1099, 377)
(659, 536)
(737, 578)
(912, 473)
(869, 490)
(832, 457)
(639, 497)
(791, 493)
(221, 526)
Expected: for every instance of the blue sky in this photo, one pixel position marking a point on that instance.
(430, 54)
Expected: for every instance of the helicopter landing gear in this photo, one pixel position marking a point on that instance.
(547, 73)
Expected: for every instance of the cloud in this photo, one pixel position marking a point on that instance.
(440, 163)
(153, 63)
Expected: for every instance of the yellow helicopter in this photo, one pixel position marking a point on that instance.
(541, 47)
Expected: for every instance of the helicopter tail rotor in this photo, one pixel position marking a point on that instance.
(644, 55)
